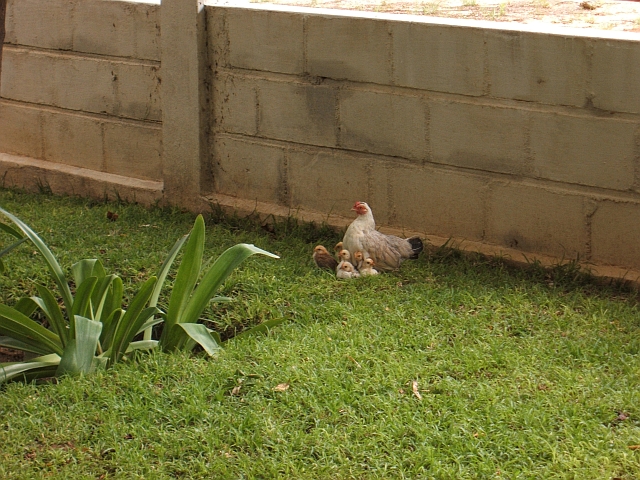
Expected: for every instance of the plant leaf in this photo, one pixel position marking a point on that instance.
(219, 271)
(186, 279)
(129, 324)
(264, 327)
(52, 310)
(82, 303)
(39, 367)
(142, 345)
(54, 267)
(200, 334)
(82, 270)
(26, 306)
(11, 231)
(9, 342)
(79, 353)
(16, 325)
(162, 275)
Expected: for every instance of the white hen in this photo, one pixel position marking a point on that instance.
(387, 251)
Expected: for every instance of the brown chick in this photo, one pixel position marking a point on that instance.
(358, 260)
(367, 268)
(323, 258)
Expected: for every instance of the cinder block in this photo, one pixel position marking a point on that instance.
(235, 104)
(585, 150)
(40, 23)
(249, 170)
(137, 91)
(121, 29)
(349, 48)
(263, 40)
(536, 67)
(20, 130)
(433, 201)
(299, 113)
(60, 80)
(383, 123)
(73, 140)
(615, 234)
(329, 182)
(441, 58)
(534, 219)
(481, 137)
(133, 150)
(615, 71)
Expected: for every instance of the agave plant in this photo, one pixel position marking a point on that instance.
(92, 330)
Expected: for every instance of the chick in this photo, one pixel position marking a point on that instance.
(323, 258)
(358, 260)
(337, 248)
(367, 268)
(344, 256)
(346, 270)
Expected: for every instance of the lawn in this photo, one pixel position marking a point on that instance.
(454, 367)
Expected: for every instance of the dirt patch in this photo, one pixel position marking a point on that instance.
(10, 355)
(603, 15)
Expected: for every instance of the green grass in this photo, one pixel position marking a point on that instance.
(521, 373)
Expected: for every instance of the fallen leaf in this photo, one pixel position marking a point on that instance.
(588, 6)
(401, 391)
(634, 447)
(414, 387)
(282, 387)
(354, 361)
(112, 216)
(236, 390)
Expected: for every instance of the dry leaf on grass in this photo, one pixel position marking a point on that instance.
(282, 387)
(236, 390)
(416, 392)
(634, 447)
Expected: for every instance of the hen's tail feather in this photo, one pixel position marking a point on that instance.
(416, 245)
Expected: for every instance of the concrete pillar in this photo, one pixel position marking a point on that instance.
(3, 10)
(183, 60)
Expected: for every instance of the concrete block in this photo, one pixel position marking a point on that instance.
(533, 219)
(481, 137)
(615, 234)
(434, 201)
(441, 58)
(382, 123)
(235, 104)
(549, 69)
(349, 48)
(263, 40)
(60, 80)
(327, 181)
(249, 170)
(615, 70)
(20, 130)
(133, 150)
(72, 139)
(137, 91)
(121, 29)
(40, 23)
(301, 113)
(585, 150)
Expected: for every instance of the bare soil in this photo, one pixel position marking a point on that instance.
(597, 14)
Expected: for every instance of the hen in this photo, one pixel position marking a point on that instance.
(387, 251)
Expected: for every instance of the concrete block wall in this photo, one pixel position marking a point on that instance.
(474, 130)
(81, 85)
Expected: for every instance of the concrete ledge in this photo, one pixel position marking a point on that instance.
(268, 211)
(32, 174)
